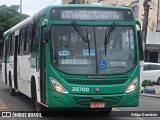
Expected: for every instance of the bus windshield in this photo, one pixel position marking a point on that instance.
(72, 55)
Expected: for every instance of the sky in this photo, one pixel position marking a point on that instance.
(30, 6)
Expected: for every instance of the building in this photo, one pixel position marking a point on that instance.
(153, 47)
(70, 1)
(137, 7)
(66, 1)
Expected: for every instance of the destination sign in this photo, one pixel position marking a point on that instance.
(92, 14)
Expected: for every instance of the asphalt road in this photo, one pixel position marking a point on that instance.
(23, 103)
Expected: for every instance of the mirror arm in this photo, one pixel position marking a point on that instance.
(138, 23)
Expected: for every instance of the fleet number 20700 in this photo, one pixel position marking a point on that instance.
(80, 89)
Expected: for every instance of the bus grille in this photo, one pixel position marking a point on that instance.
(85, 101)
(95, 82)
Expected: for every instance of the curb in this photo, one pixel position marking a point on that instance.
(150, 95)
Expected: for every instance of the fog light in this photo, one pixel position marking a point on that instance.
(132, 86)
(58, 87)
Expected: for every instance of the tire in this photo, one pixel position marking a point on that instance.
(38, 106)
(158, 81)
(11, 90)
(106, 110)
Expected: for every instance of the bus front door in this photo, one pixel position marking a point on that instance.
(15, 63)
(43, 66)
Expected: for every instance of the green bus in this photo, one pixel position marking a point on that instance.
(75, 56)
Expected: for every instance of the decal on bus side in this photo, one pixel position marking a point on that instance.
(86, 53)
(64, 53)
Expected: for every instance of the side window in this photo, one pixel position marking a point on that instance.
(11, 44)
(27, 41)
(154, 67)
(146, 68)
(35, 38)
(21, 41)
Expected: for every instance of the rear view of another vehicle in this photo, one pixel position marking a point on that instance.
(152, 72)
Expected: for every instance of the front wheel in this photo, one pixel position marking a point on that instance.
(106, 110)
(38, 106)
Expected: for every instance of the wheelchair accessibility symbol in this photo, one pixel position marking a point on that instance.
(102, 64)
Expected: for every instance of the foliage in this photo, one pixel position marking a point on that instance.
(9, 16)
(147, 83)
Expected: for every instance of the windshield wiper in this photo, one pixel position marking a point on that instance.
(108, 36)
(82, 35)
(88, 41)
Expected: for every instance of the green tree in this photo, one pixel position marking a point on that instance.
(9, 16)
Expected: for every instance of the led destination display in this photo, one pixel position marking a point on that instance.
(90, 14)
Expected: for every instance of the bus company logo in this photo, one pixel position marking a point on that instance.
(97, 90)
(6, 114)
(95, 77)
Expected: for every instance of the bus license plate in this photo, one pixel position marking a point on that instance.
(97, 105)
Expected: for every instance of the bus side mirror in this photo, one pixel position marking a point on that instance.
(140, 45)
(44, 34)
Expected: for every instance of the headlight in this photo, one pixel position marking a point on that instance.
(58, 87)
(132, 86)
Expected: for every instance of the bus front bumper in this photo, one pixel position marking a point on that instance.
(59, 100)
